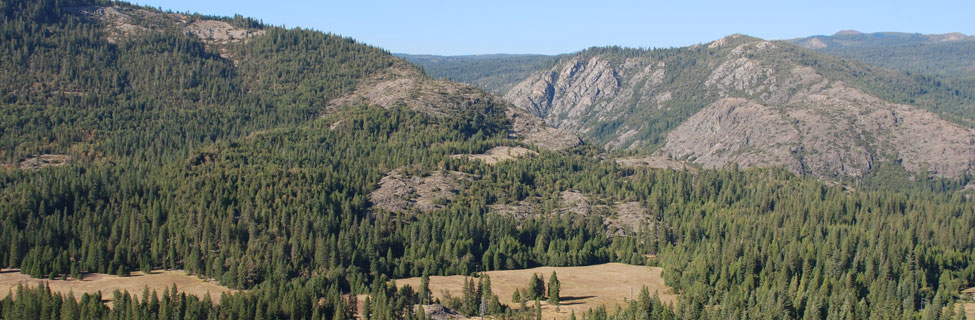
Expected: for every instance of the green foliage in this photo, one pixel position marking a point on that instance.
(915, 53)
(187, 160)
(536, 288)
(553, 289)
(645, 307)
(496, 73)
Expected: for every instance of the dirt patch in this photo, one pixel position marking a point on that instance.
(401, 192)
(521, 210)
(499, 154)
(575, 203)
(582, 287)
(439, 312)
(135, 284)
(629, 216)
(44, 160)
(658, 162)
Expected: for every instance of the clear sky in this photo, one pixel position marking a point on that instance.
(552, 27)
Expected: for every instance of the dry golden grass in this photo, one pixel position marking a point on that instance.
(582, 287)
(969, 310)
(135, 283)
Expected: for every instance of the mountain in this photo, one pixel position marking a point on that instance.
(496, 73)
(746, 101)
(947, 56)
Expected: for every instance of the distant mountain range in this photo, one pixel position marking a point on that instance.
(496, 73)
(950, 55)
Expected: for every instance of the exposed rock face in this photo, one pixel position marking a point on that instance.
(579, 91)
(823, 128)
(659, 162)
(44, 160)
(582, 83)
(748, 102)
(629, 216)
(399, 192)
(574, 203)
(403, 85)
(123, 21)
(619, 217)
(499, 154)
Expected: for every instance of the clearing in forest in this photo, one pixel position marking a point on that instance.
(582, 288)
(135, 283)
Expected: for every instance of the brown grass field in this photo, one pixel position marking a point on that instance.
(582, 287)
(135, 283)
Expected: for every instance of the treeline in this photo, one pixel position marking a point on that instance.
(314, 298)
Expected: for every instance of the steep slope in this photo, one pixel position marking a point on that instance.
(948, 56)
(180, 80)
(404, 85)
(756, 103)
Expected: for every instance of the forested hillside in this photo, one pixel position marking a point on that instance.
(247, 154)
(949, 56)
(496, 73)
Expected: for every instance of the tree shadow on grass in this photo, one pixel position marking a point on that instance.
(573, 300)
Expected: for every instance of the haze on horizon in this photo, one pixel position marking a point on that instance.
(553, 27)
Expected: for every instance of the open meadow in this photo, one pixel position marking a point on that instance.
(581, 287)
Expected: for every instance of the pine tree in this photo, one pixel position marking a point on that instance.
(553, 289)
(538, 310)
(425, 289)
(536, 288)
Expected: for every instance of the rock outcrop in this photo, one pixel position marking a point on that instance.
(744, 101)
(499, 154)
(123, 21)
(404, 85)
(401, 192)
(44, 161)
(809, 124)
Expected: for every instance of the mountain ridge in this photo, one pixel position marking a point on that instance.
(607, 95)
(948, 56)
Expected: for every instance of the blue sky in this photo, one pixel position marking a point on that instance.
(552, 27)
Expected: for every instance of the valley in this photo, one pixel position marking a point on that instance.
(306, 172)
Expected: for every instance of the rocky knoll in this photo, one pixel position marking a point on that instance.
(404, 85)
(124, 20)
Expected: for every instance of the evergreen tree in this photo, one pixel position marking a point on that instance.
(536, 288)
(553, 289)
